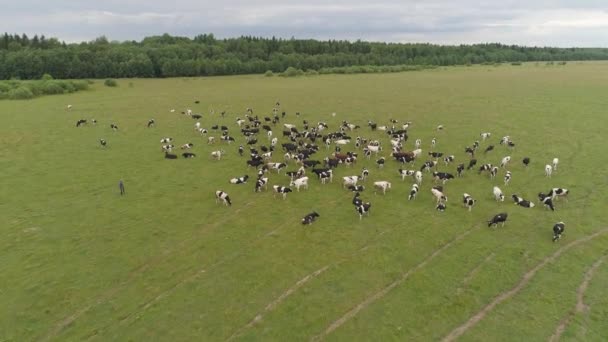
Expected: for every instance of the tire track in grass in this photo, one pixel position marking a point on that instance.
(457, 332)
(378, 295)
(580, 306)
(274, 303)
(474, 271)
(111, 292)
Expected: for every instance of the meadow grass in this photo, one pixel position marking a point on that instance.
(165, 262)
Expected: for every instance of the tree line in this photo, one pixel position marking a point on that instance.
(22, 57)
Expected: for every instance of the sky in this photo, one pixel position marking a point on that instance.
(560, 23)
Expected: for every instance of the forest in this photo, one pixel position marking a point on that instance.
(23, 57)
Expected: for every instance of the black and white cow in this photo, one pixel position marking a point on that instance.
(364, 174)
(406, 173)
(357, 201)
(436, 154)
(442, 176)
(447, 160)
(437, 192)
(485, 167)
(522, 202)
(220, 195)
(114, 127)
(261, 182)
(499, 218)
(167, 148)
(486, 135)
(80, 122)
(363, 209)
(459, 170)
(470, 151)
(546, 200)
(507, 177)
(427, 166)
(413, 192)
(498, 195)
(239, 180)
(281, 190)
(526, 161)
(472, 164)
(166, 140)
(349, 180)
(188, 155)
(505, 161)
(441, 206)
(380, 162)
(488, 149)
(170, 156)
(151, 123)
(103, 142)
(276, 166)
(558, 230)
(356, 188)
(556, 193)
(187, 146)
(468, 201)
(493, 172)
(310, 218)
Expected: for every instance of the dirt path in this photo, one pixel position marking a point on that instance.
(457, 332)
(580, 306)
(378, 295)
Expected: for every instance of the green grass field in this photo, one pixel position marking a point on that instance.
(165, 262)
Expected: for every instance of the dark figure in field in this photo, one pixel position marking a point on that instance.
(122, 187)
(241, 150)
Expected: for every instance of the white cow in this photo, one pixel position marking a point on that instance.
(548, 170)
(382, 185)
(350, 180)
(300, 182)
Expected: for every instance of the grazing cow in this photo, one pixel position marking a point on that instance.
(303, 181)
(310, 218)
(494, 172)
(436, 154)
(498, 195)
(382, 185)
(507, 177)
(94, 121)
(114, 127)
(459, 170)
(510, 144)
(356, 188)
(220, 195)
(217, 155)
(548, 170)
(239, 180)
(167, 148)
(276, 166)
(505, 161)
(69, 107)
(447, 160)
(485, 167)
(468, 201)
(363, 209)
(546, 200)
(80, 122)
(443, 176)
(103, 142)
(499, 218)
(331, 162)
(342, 141)
(418, 177)
(433, 142)
(357, 199)
(427, 166)
(558, 230)
(470, 151)
(488, 149)
(170, 156)
(210, 140)
(555, 162)
(437, 191)
(166, 140)
(281, 190)
(413, 192)
(485, 136)
(188, 155)
(440, 128)
(364, 174)
(418, 143)
(187, 146)
(261, 182)
(380, 162)
(522, 202)
(406, 173)
(349, 180)
(504, 140)
(472, 164)
(227, 139)
(441, 207)
(526, 161)
(150, 123)
(559, 192)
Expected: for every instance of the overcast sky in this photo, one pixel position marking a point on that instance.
(561, 23)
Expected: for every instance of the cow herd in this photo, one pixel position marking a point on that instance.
(301, 146)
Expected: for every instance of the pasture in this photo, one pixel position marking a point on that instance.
(165, 262)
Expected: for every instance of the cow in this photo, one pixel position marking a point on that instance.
(488, 149)
(437, 191)
(433, 142)
(364, 174)
(485, 136)
(470, 151)
(493, 172)
(80, 122)
(558, 230)
(276, 166)
(548, 170)
(441, 207)
(220, 195)
(498, 218)
(300, 182)
(447, 160)
(436, 154)
(217, 155)
(468, 201)
(485, 167)
(103, 142)
(443, 176)
(281, 190)
(459, 170)
(555, 162)
(187, 146)
(526, 161)
(418, 177)
(406, 173)
(349, 180)
(559, 192)
(427, 166)
(522, 202)
(357, 199)
(498, 195)
(356, 188)
(188, 155)
(417, 143)
(210, 140)
(546, 200)
(170, 156)
(261, 182)
(505, 161)
(472, 164)
(310, 218)
(167, 148)
(507, 177)
(114, 127)
(382, 185)
(380, 162)
(239, 180)
(363, 209)
(166, 140)
(413, 192)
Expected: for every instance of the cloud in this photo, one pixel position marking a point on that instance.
(540, 22)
